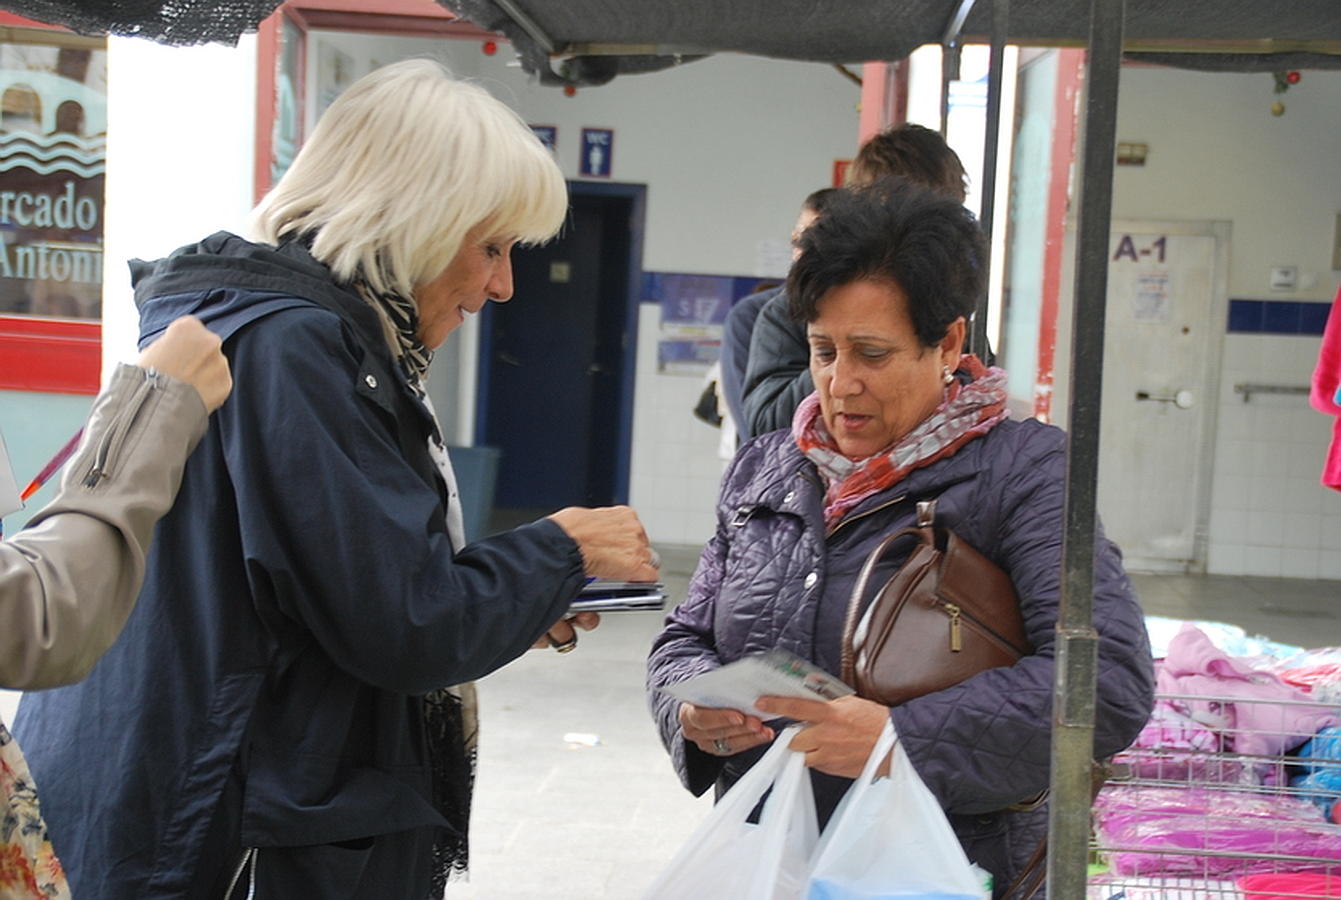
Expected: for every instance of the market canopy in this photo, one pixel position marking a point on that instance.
(591, 41)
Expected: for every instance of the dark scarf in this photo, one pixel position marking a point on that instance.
(452, 755)
(451, 744)
(403, 316)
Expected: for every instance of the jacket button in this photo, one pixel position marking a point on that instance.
(810, 580)
(788, 498)
(370, 381)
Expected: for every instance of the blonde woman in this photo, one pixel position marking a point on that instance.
(276, 721)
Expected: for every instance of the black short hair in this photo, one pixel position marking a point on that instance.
(900, 232)
(818, 201)
(913, 152)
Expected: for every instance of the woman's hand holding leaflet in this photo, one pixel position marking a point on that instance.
(722, 732)
(841, 732)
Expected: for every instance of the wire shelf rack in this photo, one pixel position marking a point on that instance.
(1223, 798)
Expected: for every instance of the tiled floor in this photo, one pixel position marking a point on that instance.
(561, 819)
(1290, 610)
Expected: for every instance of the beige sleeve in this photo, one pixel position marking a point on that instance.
(69, 580)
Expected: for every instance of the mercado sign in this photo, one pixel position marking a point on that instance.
(52, 151)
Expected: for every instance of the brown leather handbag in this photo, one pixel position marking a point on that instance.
(947, 613)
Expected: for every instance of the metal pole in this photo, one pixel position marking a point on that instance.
(1000, 28)
(1077, 644)
(949, 72)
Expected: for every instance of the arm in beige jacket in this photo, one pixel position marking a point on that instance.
(70, 579)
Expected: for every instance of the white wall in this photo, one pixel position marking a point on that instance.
(181, 125)
(1269, 514)
(728, 147)
(1216, 152)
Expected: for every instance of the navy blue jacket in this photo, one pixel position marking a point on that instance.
(736, 335)
(777, 372)
(301, 597)
(772, 577)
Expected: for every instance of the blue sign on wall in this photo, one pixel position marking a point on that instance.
(598, 148)
(548, 134)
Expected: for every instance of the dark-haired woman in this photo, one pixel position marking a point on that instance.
(886, 282)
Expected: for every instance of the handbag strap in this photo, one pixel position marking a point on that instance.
(1030, 879)
(924, 532)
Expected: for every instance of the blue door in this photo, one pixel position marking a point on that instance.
(556, 362)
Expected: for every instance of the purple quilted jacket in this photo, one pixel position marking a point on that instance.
(771, 577)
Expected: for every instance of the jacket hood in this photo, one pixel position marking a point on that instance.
(228, 281)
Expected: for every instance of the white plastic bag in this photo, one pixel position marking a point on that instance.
(728, 856)
(890, 839)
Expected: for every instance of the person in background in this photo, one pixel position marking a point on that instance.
(886, 281)
(777, 375)
(741, 317)
(1325, 391)
(70, 578)
(290, 711)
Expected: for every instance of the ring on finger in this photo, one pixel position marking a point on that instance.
(567, 646)
(721, 746)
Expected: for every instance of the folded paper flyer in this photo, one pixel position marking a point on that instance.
(9, 487)
(777, 673)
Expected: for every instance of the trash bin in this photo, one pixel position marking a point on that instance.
(476, 474)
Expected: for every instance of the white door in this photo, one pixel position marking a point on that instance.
(1165, 318)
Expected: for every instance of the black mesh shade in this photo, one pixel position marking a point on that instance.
(181, 22)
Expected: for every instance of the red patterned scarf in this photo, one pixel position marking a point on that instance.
(970, 409)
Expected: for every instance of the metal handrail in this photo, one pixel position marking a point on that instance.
(1247, 390)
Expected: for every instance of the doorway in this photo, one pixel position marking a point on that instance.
(557, 363)
(1165, 316)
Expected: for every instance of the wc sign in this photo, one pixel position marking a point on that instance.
(598, 147)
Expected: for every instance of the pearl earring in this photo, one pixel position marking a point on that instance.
(946, 375)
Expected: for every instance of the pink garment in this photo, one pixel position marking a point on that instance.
(1176, 747)
(1283, 885)
(1243, 703)
(1204, 831)
(1324, 396)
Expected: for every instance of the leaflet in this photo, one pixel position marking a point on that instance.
(9, 487)
(777, 673)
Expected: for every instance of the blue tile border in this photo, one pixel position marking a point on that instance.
(1245, 315)
(1313, 317)
(1299, 317)
(1280, 317)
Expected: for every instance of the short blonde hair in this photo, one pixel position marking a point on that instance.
(405, 162)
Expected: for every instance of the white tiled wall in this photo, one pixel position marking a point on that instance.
(675, 468)
(1269, 513)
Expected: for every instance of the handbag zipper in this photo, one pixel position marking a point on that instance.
(956, 639)
(958, 616)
